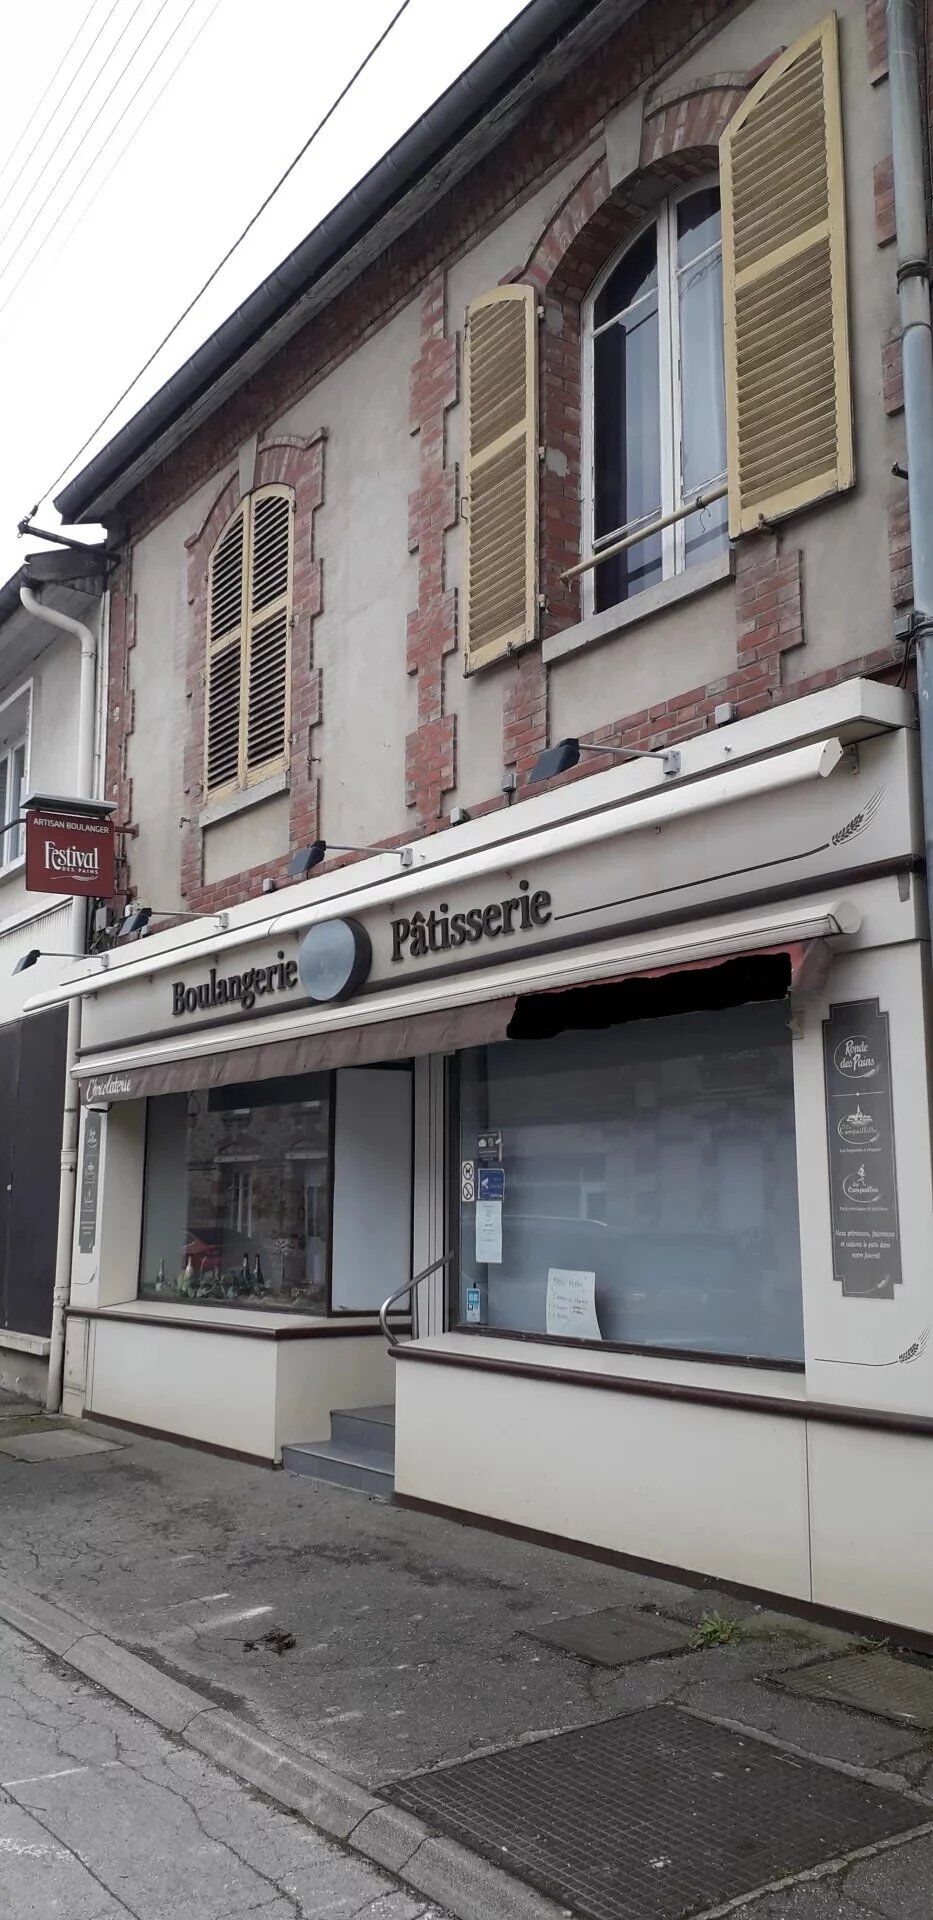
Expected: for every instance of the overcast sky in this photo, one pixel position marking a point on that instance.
(170, 182)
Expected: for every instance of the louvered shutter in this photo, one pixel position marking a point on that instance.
(499, 606)
(267, 653)
(788, 390)
(225, 656)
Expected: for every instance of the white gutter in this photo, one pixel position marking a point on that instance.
(662, 807)
(68, 1176)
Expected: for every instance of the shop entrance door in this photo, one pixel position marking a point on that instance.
(371, 1248)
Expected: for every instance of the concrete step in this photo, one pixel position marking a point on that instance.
(342, 1465)
(365, 1427)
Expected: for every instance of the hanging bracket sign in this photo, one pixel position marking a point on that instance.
(70, 846)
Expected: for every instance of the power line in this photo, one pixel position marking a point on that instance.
(89, 128)
(105, 144)
(81, 64)
(231, 250)
(98, 190)
(31, 116)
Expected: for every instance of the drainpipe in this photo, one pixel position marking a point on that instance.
(68, 1178)
(913, 289)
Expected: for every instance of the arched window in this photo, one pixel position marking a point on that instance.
(249, 644)
(655, 397)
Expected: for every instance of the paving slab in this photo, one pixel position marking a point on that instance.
(653, 1816)
(897, 1689)
(56, 1443)
(614, 1637)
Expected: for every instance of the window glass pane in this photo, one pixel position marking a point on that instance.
(659, 1158)
(635, 276)
(17, 777)
(237, 1202)
(699, 225)
(628, 573)
(703, 408)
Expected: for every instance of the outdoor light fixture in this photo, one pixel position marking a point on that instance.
(41, 953)
(138, 920)
(566, 754)
(309, 857)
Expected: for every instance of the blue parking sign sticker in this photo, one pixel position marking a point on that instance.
(491, 1183)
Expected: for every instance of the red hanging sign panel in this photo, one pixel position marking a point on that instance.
(70, 851)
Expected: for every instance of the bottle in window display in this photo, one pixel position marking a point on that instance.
(160, 1278)
(259, 1285)
(186, 1276)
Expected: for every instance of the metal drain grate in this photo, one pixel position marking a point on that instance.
(872, 1682)
(613, 1638)
(655, 1816)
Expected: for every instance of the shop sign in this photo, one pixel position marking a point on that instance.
(860, 1132)
(440, 930)
(70, 852)
(237, 989)
(90, 1181)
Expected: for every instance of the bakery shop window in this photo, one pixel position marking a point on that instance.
(634, 1168)
(238, 1197)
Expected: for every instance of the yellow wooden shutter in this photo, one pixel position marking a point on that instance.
(499, 605)
(788, 390)
(269, 624)
(226, 624)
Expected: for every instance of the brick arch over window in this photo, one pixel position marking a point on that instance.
(679, 142)
(297, 463)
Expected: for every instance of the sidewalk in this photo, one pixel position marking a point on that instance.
(401, 1643)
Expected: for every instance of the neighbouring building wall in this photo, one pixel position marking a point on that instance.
(362, 415)
(44, 697)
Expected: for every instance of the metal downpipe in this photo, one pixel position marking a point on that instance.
(68, 1174)
(913, 289)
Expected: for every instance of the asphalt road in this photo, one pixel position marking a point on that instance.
(102, 1816)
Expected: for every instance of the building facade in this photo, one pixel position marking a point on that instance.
(580, 429)
(39, 676)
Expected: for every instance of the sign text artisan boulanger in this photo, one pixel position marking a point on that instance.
(439, 930)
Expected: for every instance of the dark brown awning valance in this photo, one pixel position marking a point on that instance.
(479, 1024)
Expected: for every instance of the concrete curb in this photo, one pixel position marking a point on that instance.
(439, 1869)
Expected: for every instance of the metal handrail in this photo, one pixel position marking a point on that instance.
(704, 498)
(409, 1287)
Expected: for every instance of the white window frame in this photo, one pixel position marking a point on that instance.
(11, 861)
(673, 539)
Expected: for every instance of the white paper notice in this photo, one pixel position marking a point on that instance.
(571, 1304)
(489, 1231)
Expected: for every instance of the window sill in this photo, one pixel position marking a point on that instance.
(613, 621)
(248, 797)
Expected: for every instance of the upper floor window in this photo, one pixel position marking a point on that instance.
(656, 400)
(14, 758)
(249, 643)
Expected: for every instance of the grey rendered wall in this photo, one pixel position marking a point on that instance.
(370, 579)
(53, 740)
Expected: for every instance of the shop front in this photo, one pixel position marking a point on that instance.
(645, 1057)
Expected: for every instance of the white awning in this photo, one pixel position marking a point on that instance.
(442, 1015)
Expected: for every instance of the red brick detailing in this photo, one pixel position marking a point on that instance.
(876, 33)
(121, 716)
(768, 605)
(692, 118)
(431, 749)
(902, 577)
(885, 227)
(524, 718)
(537, 149)
(892, 372)
(298, 464)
